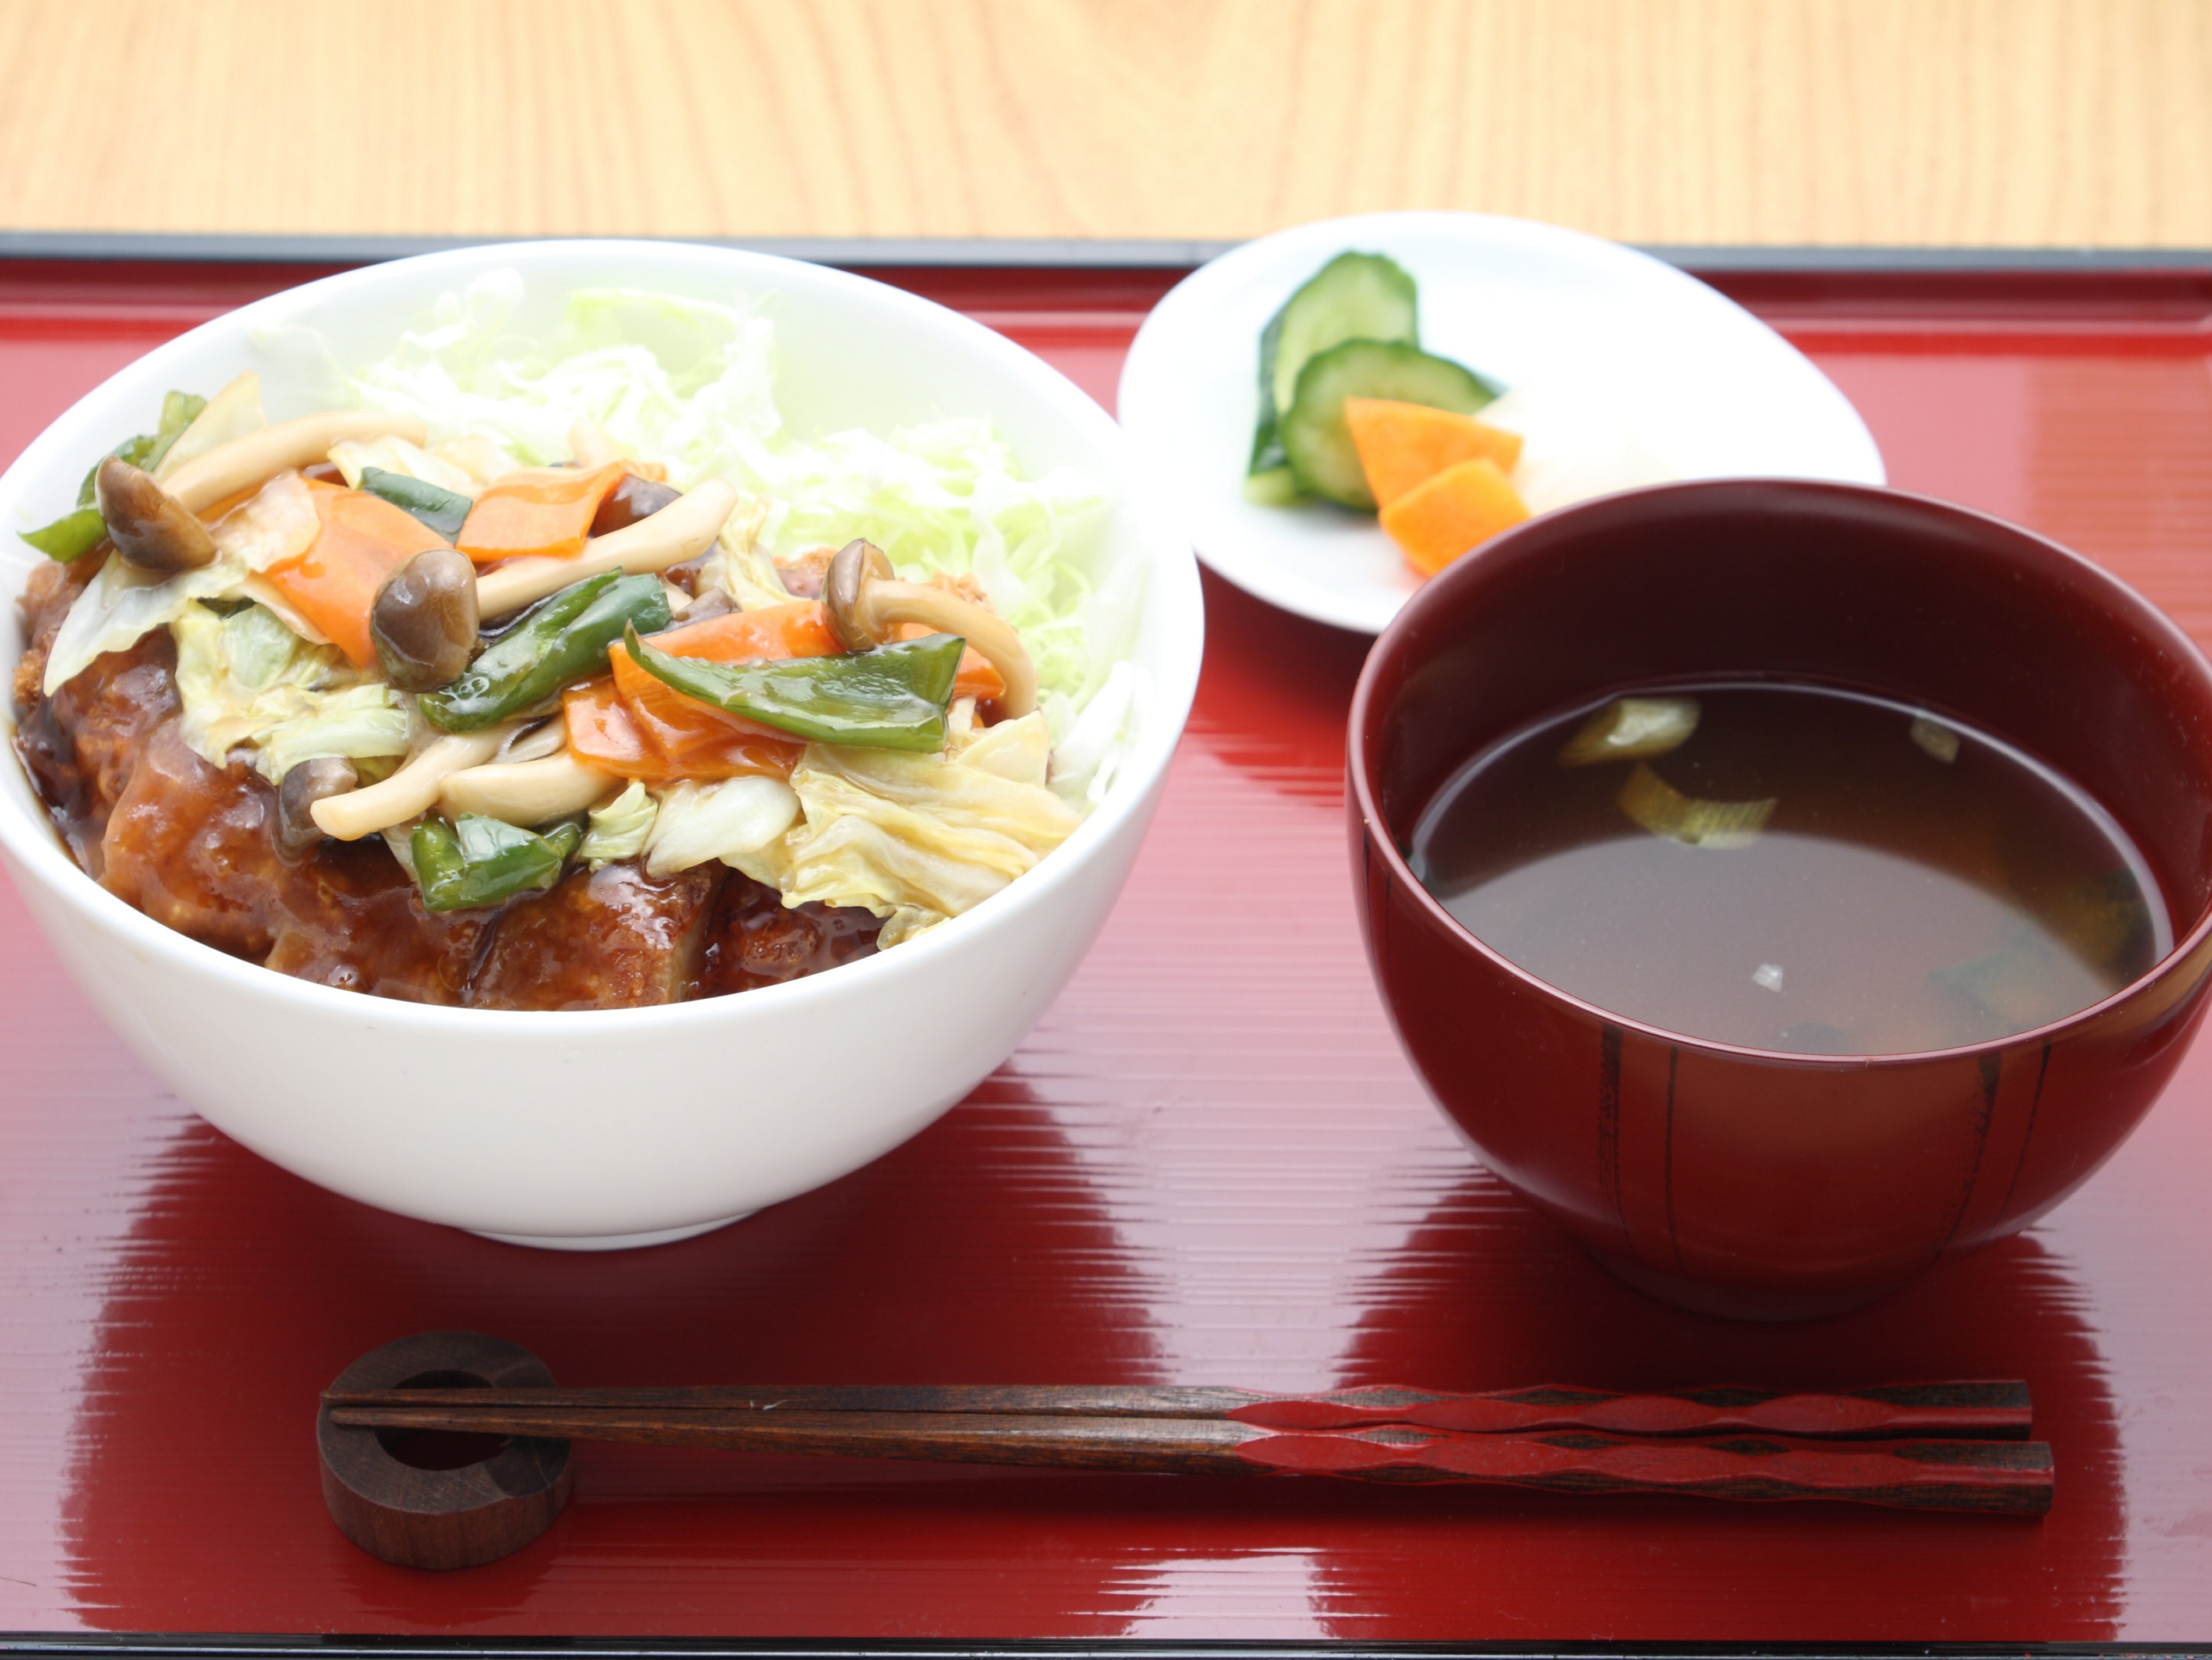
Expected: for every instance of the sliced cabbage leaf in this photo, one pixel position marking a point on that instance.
(917, 838)
(1086, 761)
(353, 456)
(619, 830)
(944, 498)
(248, 682)
(732, 821)
(122, 604)
(278, 522)
(360, 723)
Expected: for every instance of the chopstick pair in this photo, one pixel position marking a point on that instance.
(1930, 1446)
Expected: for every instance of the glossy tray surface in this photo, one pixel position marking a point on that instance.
(1207, 1164)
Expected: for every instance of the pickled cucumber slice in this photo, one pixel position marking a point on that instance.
(1314, 439)
(1356, 296)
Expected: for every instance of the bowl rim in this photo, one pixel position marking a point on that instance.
(1172, 584)
(1364, 733)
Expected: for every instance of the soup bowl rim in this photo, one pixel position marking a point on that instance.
(1365, 728)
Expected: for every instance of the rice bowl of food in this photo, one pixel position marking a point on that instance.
(582, 741)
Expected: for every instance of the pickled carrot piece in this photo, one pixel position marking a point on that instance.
(1403, 446)
(1438, 522)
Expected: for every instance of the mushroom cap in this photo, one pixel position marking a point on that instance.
(857, 565)
(150, 528)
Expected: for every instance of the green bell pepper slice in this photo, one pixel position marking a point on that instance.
(564, 639)
(476, 861)
(432, 505)
(78, 533)
(893, 697)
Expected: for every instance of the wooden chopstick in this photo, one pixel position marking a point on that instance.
(1970, 1408)
(1992, 1475)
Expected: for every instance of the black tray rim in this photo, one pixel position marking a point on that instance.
(1069, 252)
(57, 1646)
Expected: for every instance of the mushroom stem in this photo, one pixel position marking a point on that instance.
(414, 788)
(226, 468)
(527, 792)
(867, 604)
(683, 529)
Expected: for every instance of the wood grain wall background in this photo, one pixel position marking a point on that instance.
(1965, 122)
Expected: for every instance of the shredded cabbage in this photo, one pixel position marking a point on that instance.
(691, 383)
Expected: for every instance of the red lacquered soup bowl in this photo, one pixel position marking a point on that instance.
(1736, 1180)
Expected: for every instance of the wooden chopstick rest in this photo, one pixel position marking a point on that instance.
(1941, 1446)
(453, 1517)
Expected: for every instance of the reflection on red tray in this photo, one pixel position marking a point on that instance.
(1208, 1163)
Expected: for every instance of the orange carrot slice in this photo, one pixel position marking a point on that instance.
(544, 512)
(1403, 446)
(333, 584)
(802, 630)
(607, 732)
(679, 737)
(1436, 521)
(637, 727)
(799, 630)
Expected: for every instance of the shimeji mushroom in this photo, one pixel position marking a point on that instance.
(528, 792)
(151, 529)
(305, 784)
(243, 462)
(413, 789)
(683, 529)
(424, 620)
(868, 604)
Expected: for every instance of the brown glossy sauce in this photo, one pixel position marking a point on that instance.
(195, 847)
(1913, 885)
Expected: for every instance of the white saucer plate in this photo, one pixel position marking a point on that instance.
(1707, 389)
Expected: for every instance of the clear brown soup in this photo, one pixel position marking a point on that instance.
(1914, 884)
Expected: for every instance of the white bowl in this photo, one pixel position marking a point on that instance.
(1704, 388)
(624, 1127)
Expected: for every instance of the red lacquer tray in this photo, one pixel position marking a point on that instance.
(1208, 1163)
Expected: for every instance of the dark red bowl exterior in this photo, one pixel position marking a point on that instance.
(1730, 1180)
